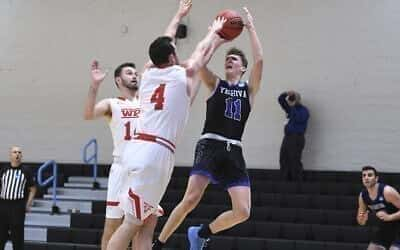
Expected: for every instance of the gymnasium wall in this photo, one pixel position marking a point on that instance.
(342, 56)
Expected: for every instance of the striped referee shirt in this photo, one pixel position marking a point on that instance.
(15, 182)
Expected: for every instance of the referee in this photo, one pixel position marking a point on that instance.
(17, 190)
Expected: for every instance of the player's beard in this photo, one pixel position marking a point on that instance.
(131, 85)
(370, 184)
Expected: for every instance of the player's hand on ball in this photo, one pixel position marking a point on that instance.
(217, 24)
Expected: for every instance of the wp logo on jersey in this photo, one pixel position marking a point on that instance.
(130, 112)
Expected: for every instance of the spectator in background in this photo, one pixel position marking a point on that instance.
(293, 141)
(17, 190)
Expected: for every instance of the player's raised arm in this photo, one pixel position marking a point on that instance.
(183, 10)
(205, 48)
(202, 54)
(208, 77)
(93, 110)
(207, 54)
(257, 51)
(199, 76)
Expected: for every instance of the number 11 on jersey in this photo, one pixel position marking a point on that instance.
(233, 108)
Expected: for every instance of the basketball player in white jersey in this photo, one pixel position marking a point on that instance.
(165, 95)
(121, 113)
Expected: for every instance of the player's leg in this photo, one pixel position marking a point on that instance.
(373, 246)
(123, 235)
(233, 176)
(114, 213)
(198, 182)
(241, 205)
(110, 226)
(194, 192)
(240, 197)
(396, 244)
(384, 237)
(236, 181)
(395, 247)
(143, 239)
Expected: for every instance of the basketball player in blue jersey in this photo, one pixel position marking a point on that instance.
(218, 156)
(384, 201)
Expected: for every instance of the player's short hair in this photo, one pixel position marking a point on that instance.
(365, 168)
(160, 50)
(118, 70)
(238, 52)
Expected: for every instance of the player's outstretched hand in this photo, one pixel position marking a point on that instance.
(217, 24)
(215, 27)
(249, 23)
(184, 7)
(97, 74)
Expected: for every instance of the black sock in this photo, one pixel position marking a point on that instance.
(157, 245)
(204, 232)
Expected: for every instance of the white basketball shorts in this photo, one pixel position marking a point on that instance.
(149, 166)
(116, 180)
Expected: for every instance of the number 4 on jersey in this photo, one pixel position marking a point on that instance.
(158, 97)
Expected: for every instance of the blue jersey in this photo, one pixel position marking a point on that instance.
(379, 203)
(228, 110)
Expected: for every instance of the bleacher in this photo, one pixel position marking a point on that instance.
(318, 213)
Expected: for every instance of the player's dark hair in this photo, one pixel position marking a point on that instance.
(238, 52)
(365, 168)
(160, 50)
(118, 70)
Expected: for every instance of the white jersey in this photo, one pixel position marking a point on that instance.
(164, 103)
(123, 122)
(149, 157)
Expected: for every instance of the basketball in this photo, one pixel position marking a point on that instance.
(233, 25)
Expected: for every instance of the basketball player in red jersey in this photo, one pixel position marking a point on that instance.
(165, 95)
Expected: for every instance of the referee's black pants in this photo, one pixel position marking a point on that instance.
(12, 219)
(290, 157)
